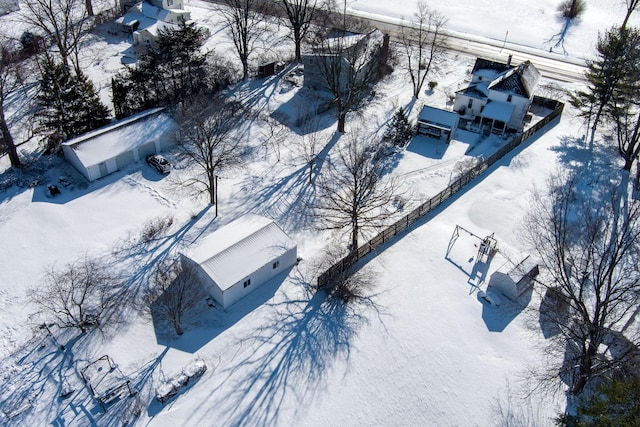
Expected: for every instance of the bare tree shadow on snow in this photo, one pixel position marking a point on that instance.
(292, 353)
(287, 198)
(557, 40)
(210, 322)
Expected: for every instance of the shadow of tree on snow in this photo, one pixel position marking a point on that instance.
(293, 351)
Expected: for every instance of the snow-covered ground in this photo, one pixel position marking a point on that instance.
(536, 24)
(423, 350)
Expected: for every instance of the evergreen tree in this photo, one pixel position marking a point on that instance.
(399, 131)
(69, 104)
(172, 71)
(613, 404)
(613, 75)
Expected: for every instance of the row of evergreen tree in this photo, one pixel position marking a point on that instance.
(171, 71)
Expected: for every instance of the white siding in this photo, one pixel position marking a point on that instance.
(244, 249)
(259, 277)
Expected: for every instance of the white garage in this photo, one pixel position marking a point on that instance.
(240, 257)
(115, 146)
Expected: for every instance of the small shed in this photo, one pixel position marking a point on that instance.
(115, 146)
(437, 123)
(516, 281)
(240, 257)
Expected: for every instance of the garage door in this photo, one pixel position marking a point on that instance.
(146, 149)
(124, 160)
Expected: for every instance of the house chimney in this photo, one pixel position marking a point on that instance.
(509, 60)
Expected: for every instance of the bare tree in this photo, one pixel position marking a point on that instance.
(300, 14)
(349, 286)
(347, 65)
(310, 144)
(77, 295)
(310, 147)
(64, 22)
(424, 43)
(352, 194)
(628, 136)
(245, 26)
(173, 291)
(209, 143)
(11, 80)
(588, 250)
(632, 5)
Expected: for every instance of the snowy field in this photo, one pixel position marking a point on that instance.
(535, 24)
(423, 350)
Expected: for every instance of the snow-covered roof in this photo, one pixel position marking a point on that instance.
(521, 80)
(238, 249)
(160, 14)
(157, 26)
(346, 41)
(486, 67)
(498, 110)
(151, 18)
(438, 116)
(118, 137)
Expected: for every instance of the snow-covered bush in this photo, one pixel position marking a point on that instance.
(155, 227)
(174, 385)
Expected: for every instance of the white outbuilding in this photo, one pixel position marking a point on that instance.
(240, 257)
(515, 281)
(113, 147)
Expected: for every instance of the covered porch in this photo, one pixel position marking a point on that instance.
(495, 116)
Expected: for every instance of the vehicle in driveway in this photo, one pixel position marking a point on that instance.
(159, 163)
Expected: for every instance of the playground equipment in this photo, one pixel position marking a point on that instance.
(487, 246)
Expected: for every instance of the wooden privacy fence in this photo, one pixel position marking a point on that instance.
(341, 267)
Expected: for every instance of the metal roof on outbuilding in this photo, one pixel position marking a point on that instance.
(124, 135)
(438, 116)
(240, 248)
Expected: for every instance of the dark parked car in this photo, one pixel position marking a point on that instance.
(159, 163)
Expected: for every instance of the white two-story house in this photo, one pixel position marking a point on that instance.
(498, 96)
(145, 19)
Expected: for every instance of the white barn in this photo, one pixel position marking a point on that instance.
(240, 257)
(115, 146)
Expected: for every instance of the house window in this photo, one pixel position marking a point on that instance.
(246, 283)
(169, 2)
(509, 98)
(470, 104)
(482, 109)
(276, 264)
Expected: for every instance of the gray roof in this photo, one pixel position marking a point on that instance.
(438, 116)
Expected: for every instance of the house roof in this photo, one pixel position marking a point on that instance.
(484, 66)
(150, 17)
(521, 80)
(437, 116)
(497, 110)
(118, 137)
(346, 40)
(235, 251)
(518, 80)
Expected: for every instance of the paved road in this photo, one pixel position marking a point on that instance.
(551, 65)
